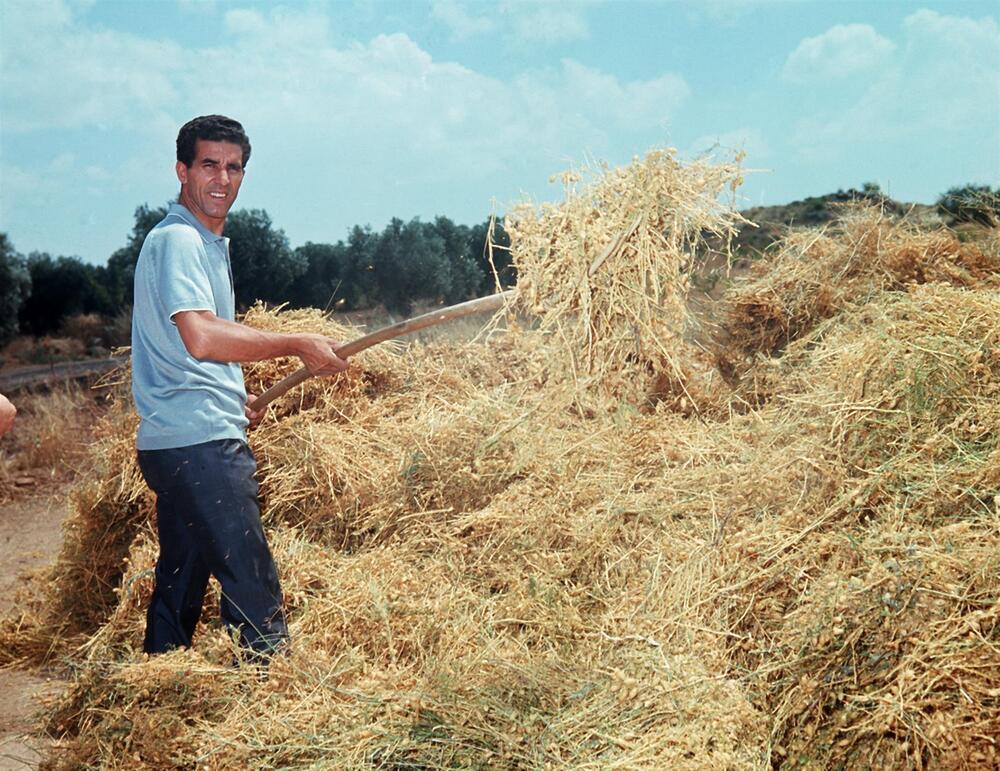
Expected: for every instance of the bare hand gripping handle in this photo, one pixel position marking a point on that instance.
(490, 303)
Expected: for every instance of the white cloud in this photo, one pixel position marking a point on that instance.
(945, 32)
(942, 88)
(42, 14)
(57, 76)
(546, 21)
(378, 123)
(647, 103)
(49, 180)
(840, 52)
(243, 21)
(280, 68)
(725, 12)
(62, 163)
(950, 76)
(280, 29)
(459, 20)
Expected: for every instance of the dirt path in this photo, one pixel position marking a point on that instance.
(30, 537)
(13, 378)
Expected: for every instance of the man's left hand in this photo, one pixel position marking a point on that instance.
(253, 415)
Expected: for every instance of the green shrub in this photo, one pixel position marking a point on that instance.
(971, 203)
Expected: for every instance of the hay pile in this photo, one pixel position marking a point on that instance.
(815, 273)
(479, 576)
(453, 601)
(868, 582)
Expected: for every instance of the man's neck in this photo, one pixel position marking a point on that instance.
(213, 225)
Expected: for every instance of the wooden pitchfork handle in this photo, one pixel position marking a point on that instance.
(492, 302)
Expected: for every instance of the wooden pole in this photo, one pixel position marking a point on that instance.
(479, 305)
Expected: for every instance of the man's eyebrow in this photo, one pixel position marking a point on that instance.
(209, 161)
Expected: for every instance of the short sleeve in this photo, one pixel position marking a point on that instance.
(182, 281)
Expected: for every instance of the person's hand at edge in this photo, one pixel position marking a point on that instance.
(7, 414)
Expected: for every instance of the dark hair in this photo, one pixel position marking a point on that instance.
(214, 128)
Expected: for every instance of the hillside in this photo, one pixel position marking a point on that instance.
(774, 221)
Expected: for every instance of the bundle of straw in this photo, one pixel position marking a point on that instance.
(606, 269)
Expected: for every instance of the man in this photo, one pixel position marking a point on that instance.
(192, 403)
(7, 413)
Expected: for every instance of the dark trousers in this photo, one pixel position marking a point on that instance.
(208, 520)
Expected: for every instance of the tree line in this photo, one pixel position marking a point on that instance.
(405, 263)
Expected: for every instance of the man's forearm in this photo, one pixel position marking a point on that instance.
(207, 337)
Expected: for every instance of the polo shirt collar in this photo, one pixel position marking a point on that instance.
(185, 214)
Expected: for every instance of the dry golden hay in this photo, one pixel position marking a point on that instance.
(881, 448)
(638, 591)
(105, 511)
(905, 384)
(375, 370)
(605, 270)
(868, 606)
(400, 659)
(110, 507)
(907, 387)
(348, 458)
(476, 576)
(814, 274)
(886, 652)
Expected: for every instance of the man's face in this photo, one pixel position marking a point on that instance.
(209, 187)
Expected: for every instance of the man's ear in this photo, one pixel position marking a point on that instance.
(182, 172)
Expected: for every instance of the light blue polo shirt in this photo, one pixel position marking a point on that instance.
(183, 266)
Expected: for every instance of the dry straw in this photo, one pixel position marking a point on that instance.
(813, 274)
(479, 576)
(606, 270)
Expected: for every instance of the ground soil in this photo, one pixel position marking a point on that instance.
(30, 537)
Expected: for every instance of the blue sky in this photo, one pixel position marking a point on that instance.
(361, 110)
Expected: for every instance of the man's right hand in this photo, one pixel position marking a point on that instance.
(7, 413)
(319, 354)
